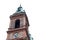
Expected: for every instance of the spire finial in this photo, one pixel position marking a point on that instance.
(20, 5)
(20, 9)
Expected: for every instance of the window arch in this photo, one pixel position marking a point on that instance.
(17, 23)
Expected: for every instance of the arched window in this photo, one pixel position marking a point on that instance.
(17, 23)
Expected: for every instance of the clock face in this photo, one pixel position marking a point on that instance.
(18, 35)
(15, 35)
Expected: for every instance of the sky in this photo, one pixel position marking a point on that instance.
(43, 15)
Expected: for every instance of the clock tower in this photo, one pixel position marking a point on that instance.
(18, 29)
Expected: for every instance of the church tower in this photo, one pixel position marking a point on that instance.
(18, 29)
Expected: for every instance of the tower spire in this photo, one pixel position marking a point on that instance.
(20, 9)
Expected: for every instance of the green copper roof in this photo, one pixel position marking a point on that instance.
(20, 9)
(31, 38)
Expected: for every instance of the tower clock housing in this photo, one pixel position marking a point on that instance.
(18, 29)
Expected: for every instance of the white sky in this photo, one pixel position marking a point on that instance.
(43, 15)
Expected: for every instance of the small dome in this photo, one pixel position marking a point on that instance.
(20, 9)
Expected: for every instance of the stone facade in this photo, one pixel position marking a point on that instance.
(22, 31)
